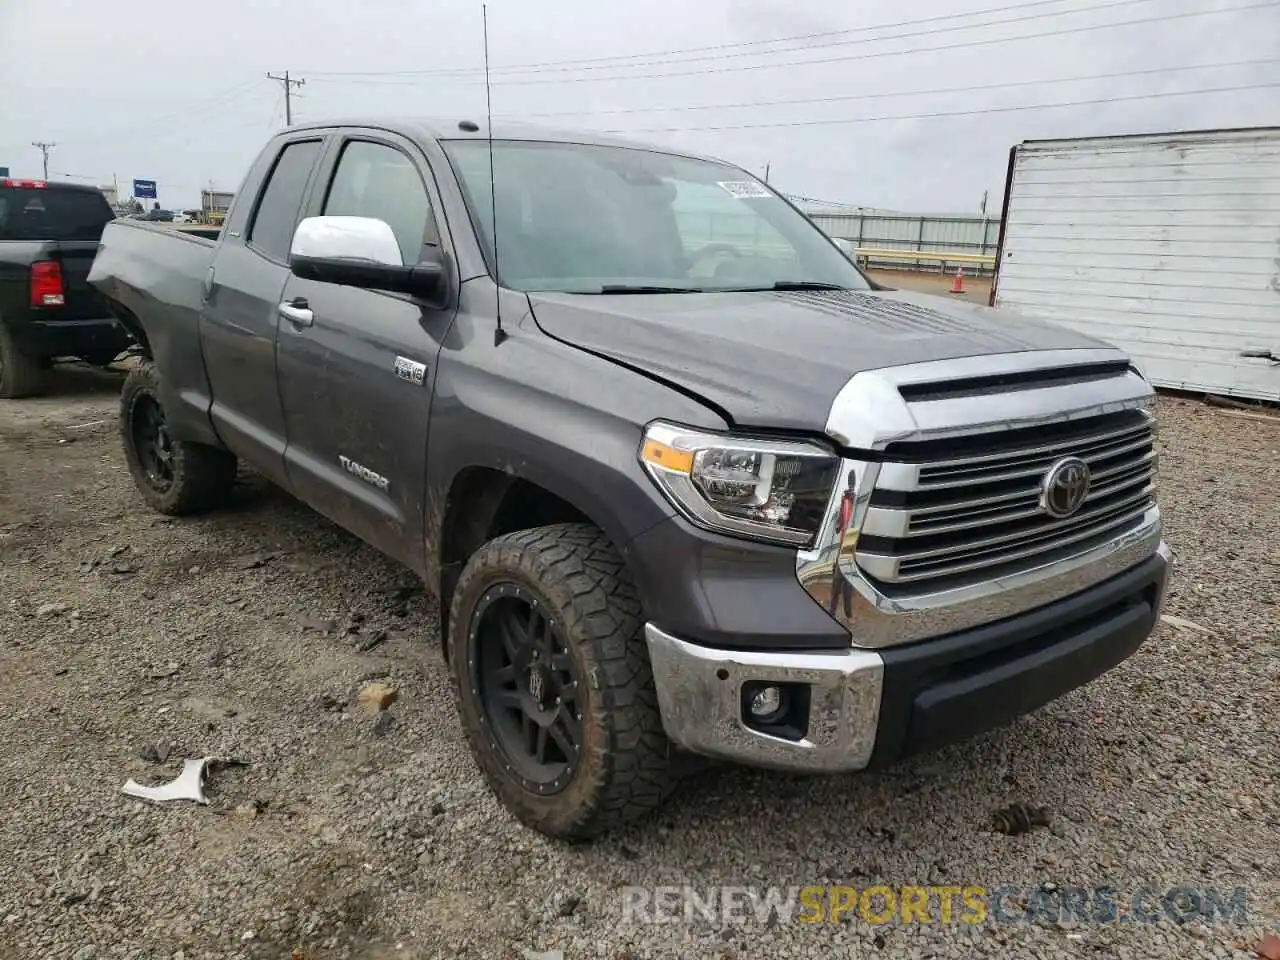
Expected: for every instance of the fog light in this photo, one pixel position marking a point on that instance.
(766, 702)
(775, 709)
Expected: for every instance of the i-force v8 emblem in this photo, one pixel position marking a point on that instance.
(411, 370)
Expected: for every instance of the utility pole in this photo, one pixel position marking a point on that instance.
(767, 167)
(44, 149)
(984, 203)
(288, 94)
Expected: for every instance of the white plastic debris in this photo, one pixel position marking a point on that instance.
(189, 785)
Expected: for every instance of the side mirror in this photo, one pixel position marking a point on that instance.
(362, 252)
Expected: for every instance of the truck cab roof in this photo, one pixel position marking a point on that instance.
(466, 128)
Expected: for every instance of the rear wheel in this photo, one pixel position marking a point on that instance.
(20, 374)
(553, 682)
(176, 477)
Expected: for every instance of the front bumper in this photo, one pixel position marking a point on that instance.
(859, 708)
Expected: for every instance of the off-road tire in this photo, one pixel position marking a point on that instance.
(203, 476)
(625, 769)
(20, 374)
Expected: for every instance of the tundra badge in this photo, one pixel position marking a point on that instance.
(364, 473)
(411, 370)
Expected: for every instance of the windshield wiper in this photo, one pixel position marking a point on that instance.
(645, 288)
(786, 285)
(807, 285)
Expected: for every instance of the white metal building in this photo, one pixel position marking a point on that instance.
(1167, 245)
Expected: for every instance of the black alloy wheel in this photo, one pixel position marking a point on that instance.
(553, 684)
(176, 477)
(528, 687)
(151, 440)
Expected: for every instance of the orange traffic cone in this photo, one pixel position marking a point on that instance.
(957, 285)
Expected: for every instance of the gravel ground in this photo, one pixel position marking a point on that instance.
(120, 629)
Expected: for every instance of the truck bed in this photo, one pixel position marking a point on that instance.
(153, 270)
(154, 277)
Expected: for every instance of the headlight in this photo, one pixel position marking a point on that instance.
(775, 490)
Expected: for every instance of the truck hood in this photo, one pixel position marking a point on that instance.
(777, 359)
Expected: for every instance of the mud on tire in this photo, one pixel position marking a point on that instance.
(176, 477)
(622, 768)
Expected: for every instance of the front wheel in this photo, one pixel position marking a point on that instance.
(553, 681)
(177, 477)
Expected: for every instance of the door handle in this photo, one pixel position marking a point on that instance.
(297, 312)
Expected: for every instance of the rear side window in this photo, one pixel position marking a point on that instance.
(33, 213)
(273, 224)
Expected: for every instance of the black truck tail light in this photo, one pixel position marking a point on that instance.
(46, 284)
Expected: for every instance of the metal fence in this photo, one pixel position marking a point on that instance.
(922, 233)
(929, 242)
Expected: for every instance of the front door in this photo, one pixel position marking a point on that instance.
(357, 367)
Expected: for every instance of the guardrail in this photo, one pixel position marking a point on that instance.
(943, 257)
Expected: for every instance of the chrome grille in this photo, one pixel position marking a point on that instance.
(971, 507)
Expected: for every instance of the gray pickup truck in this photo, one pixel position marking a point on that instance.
(684, 480)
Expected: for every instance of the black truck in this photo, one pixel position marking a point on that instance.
(49, 234)
(684, 481)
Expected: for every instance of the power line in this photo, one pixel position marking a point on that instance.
(288, 94)
(1021, 18)
(948, 113)
(875, 54)
(840, 98)
(581, 63)
(220, 99)
(374, 77)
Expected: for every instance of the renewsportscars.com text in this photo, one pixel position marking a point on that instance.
(934, 904)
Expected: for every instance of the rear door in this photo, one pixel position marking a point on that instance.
(242, 295)
(356, 379)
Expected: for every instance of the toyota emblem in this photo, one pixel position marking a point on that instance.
(1064, 487)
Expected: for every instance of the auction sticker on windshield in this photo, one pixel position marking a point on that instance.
(744, 189)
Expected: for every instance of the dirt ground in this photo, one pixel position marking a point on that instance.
(240, 634)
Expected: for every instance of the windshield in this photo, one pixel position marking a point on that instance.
(593, 219)
(39, 213)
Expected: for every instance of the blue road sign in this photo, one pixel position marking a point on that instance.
(144, 188)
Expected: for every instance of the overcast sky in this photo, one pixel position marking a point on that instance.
(151, 89)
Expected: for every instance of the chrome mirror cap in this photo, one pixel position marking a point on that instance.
(347, 238)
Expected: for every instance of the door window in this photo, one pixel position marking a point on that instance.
(374, 180)
(277, 216)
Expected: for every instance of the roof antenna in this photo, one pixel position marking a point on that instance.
(498, 334)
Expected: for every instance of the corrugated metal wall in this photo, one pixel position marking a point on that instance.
(1167, 246)
(942, 233)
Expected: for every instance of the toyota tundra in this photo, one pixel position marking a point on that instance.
(684, 480)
